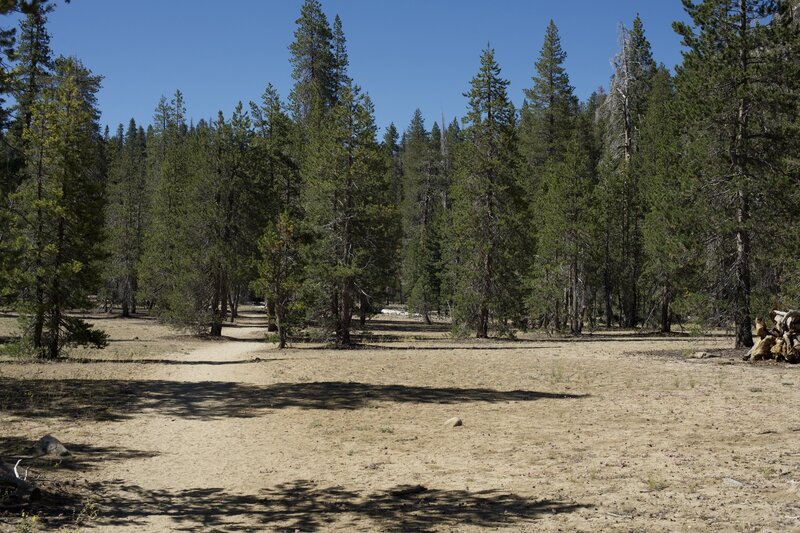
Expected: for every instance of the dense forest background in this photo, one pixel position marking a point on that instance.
(664, 197)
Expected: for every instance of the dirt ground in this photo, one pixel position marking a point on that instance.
(610, 432)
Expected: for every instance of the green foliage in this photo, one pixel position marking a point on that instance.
(126, 212)
(59, 207)
(624, 207)
(738, 92)
(318, 70)
(348, 211)
(281, 274)
(549, 109)
(424, 190)
(486, 228)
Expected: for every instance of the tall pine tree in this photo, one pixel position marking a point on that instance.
(485, 228)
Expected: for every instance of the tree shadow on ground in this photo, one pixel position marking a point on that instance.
(83, 458)
(109, 400)
(304, 506)
(398, 325)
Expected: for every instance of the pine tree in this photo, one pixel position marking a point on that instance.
(341, 62)
(277, 149)
(485, 225)
(623, 112)
(736, 98)
(315, 70)
(549, 109)
(34, 60)
(164, 260)
(563, 210)
(61, 205)
(421, 208)
(126, 213)
(547, 126)
(343, 208)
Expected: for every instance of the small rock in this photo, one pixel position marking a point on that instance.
(454, 422)
(732, 482)
(49, 445)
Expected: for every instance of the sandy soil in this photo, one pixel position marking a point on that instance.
(608, 432)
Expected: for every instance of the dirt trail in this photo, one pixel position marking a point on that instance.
(175, 454)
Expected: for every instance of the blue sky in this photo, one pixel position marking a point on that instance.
(405, 53)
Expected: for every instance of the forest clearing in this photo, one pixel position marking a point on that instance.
(359, 281)
(612, 431)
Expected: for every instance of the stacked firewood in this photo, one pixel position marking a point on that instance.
(779, 342)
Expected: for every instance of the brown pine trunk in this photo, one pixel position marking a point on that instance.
(346, 316)
(271, 326)
(483, 324)
(744, 334)
(666, 310)
(363, 307)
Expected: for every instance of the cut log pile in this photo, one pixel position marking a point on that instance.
(778, 343)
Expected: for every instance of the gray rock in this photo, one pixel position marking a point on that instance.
(454, 422)
(49, 445)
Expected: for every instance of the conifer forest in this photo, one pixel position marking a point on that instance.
(648, 203)
(661, 208)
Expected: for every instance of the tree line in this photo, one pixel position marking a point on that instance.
(663, 196)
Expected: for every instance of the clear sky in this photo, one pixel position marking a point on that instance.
(405, 53)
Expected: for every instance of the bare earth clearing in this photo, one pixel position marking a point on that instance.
(609, 432)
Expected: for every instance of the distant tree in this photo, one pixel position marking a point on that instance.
(315, 70)
(421, 207)
(165, 259)
(485, 228)
(623, 111)
(548, 112)
(670, 242)
(126, 211)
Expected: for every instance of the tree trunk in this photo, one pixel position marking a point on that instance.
(363, 307)
(666, 310)
(271, 326)
(744, 334)
(576, 319)
(283, 332)
(483, 324)
(216, 303)
(346, 316)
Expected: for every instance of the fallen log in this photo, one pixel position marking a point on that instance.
(15, 490)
